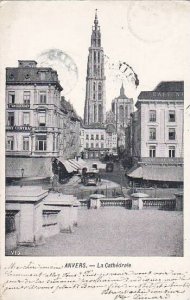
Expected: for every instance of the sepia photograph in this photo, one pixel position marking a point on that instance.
(94, 128)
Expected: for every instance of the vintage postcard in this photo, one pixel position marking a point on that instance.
(95, 149)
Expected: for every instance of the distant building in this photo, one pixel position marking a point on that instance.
(97, 140)
(122, 107)
(95, 106)
(70, 144)
(93, 141)
(111, 138)
(36, 122)
(156, 132)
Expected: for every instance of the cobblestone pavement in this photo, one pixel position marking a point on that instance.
(115, 231)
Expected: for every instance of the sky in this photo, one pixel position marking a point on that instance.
(152, 37)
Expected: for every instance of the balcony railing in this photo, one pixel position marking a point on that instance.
(18, 128)
(41, 128)
(19, 105)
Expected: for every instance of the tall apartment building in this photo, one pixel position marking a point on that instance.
(95, 102)
(35, 120)
(157, 131)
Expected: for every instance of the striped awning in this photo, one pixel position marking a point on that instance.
(67, 165)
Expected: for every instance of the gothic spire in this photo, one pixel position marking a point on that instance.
(122, 90)
(96, 19)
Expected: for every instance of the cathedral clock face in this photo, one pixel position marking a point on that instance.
(63, 64)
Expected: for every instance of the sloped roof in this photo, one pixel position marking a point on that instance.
(170, 86)
(165, 90)
(32, 75)
(68, 108)
(158, 173)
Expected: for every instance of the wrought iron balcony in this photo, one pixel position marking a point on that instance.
(40, 128)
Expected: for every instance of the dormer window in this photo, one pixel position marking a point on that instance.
(11, 76)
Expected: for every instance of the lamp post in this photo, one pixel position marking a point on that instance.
(22, 173)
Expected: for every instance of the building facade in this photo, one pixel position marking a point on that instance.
(111, 138)
(155, 135)
(70, 144)
(95, 102)
(93, 141)
(158, 122)
(36, 123)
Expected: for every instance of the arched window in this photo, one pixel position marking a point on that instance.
(100, 113)
(98, 57)
(94, 90)
(126, 112)
(121, 113)
(95, 113)
(99, 91)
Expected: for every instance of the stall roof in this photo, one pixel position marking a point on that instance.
(158, 173)
(67, 165)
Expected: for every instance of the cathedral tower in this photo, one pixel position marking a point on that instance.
(95, 107)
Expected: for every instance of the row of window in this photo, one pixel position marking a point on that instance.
(27, 97)
(26, 118)
(96, 145)
(171, 116)
(152, 151)
(171, 134)
(92, 137)
(41, 143)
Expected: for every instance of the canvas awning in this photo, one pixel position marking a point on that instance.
(37, 167)
(163, 173)
(135, 172)
(74, 164)
(158, 173)
(67, 165)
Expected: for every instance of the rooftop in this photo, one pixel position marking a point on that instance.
(27, 72)
(165, 90)
(67, 107)
(170, 86)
